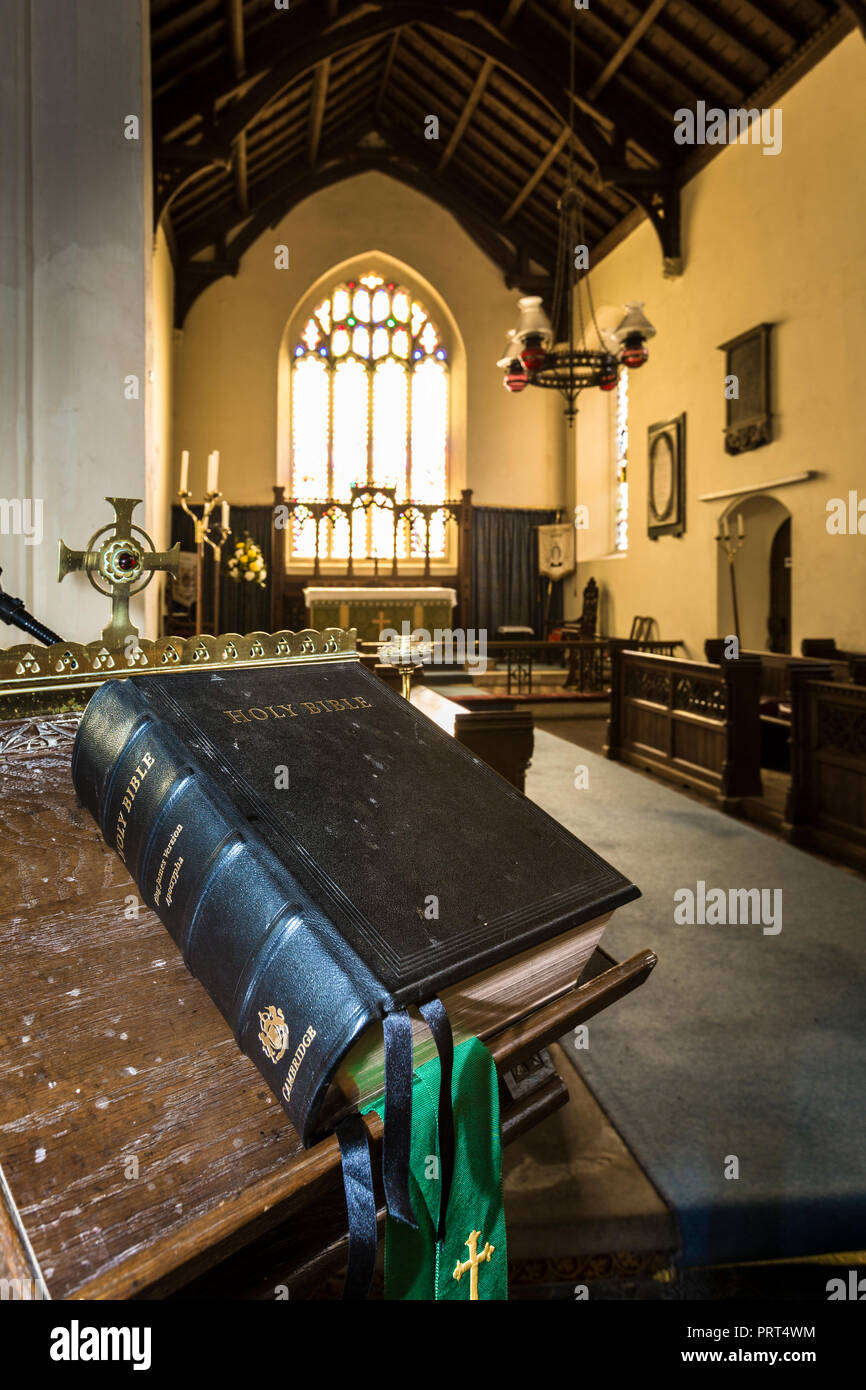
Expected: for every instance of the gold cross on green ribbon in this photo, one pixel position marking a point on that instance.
(471, 1265)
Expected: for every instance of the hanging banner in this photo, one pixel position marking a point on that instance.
(557, 555)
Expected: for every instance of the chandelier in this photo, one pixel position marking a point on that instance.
(532, 357)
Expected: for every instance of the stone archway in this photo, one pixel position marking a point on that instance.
(764, 601)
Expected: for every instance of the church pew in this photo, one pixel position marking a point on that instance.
(826, 804)
(691, 722)
(775, 694)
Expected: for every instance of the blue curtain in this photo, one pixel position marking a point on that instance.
(506, 586)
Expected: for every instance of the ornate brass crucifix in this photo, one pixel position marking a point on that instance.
(122, 564)
(471, 1265)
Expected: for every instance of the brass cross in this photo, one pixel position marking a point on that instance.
(471, 1265)
(123, 565)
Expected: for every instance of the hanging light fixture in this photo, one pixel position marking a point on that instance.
(531, 356)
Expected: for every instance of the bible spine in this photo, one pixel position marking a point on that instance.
(293, 991)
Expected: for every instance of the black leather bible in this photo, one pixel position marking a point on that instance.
(323, 856)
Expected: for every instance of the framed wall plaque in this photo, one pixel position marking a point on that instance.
(748, 417)
(666, 478)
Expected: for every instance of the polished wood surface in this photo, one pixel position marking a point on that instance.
(139, 1146)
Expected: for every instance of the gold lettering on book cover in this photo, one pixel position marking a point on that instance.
(163, 863)
(295, 1064)
(129, 796)
(258, 713)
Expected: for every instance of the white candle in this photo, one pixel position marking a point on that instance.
(726, 530)
(740, 531)
(213, 463)
(184, 471)
(225, 515)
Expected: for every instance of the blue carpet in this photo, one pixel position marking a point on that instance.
(740, 1044)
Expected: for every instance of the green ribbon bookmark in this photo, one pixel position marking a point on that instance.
(472, 1261)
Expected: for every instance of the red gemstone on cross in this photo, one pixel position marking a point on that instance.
(126, 560)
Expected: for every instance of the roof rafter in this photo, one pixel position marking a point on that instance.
(333, 39)
(468, 112)
(235, 23)
(317, 110)
(556, 148)
(387, 69)
(632, 38)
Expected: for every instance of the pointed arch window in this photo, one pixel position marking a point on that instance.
(370, 405)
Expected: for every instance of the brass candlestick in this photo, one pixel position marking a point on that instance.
(202, 526)
(216, 543)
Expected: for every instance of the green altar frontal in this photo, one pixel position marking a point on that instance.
(372, 610)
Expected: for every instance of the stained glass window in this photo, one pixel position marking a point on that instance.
(369, 406)
(620, 451)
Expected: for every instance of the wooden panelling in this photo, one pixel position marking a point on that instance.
(694, 723)
(827, 799)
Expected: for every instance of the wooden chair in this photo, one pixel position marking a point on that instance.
(642, 629)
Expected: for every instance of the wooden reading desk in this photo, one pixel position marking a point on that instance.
(142, 1154)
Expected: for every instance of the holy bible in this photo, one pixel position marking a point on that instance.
(324, 856)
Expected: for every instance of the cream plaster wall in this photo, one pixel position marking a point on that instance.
(161, 390)
(776, 239)
(226, 359)
(75, 245)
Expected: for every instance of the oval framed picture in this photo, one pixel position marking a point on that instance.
(666, 478)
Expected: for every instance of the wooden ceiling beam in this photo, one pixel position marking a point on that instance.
(317, 110)
(235, 25)
(320, 97)
(239, 173)
(205, 86)
(653, 140)
(780, 34)
(531, 183)
(386, 71)
(619, 56)
(541, 67)
(742, 42)
(467, 113)
(512, 10)
(331, 40)
(710, 70)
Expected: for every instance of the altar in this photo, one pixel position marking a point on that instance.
(372, 609)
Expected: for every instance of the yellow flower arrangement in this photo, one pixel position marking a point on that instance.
(248, 563)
